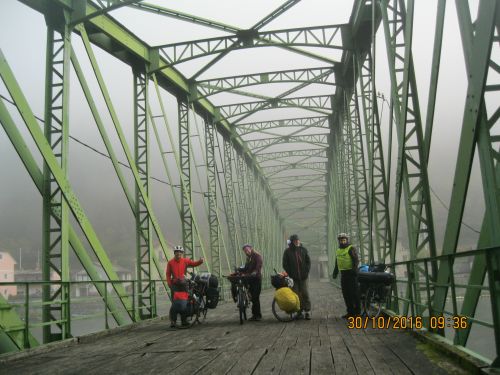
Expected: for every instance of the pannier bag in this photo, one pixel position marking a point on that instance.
(207, 279)
(287, 300)
(384, 278)
(278, 281)
(212, 297)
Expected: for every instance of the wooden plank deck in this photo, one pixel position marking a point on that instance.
(323, 345)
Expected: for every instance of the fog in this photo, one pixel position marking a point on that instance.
(22, 40)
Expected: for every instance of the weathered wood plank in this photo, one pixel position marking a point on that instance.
(297, 361)
(342, 360)
(321, 360)
(271, 362)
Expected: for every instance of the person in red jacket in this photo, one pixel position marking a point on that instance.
(176, 271)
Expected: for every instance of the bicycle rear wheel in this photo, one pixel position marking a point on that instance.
(373, 305)
(281, 315)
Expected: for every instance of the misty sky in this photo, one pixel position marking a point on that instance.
(22, 40)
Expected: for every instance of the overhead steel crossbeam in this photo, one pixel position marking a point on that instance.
(318, 166)
(305, 122)
(104, 6)
(184, 17)
(257, 145)
(214, 86)
(329, 36)
(283, 179)
(321, 104)
(314, 153)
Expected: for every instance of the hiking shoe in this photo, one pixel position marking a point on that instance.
(172, 324)
(184, 324)
(254, 318)
(308, 315)
(299, 315)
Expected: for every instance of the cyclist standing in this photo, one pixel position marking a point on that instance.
(176, 270)
(296, 263)
(347, 262)
(253, 267)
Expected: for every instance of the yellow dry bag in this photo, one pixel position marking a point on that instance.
(287, 300)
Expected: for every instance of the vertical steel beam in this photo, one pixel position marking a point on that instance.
(185, 170)
(213, 222)
(412, 167)
(228, 178)
(55, 237)
(379, 222)
(355, 139)
(146, 306)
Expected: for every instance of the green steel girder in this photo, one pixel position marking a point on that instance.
(305, 122)
(13, 335)
(350, 186)
(184, 17)
(127, 47)
(79, 14)
(185, 170)
(477, 42)
(270, 171)
(261, 23)
(73, 203)
(213, 222)
(55, 220)
(355, 138)
(242, 198)
(283, 179)
(290, 185)
(412, 167)
(36, 175)
(120, 133)
(144, 245)
(214, 86)
(230, 197)
(321, 104)
(329, 36)
(314, 139)
(314, 153)
(380, 225)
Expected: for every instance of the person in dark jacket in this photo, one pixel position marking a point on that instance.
(347, 262)
(253, 268)
(296, 263)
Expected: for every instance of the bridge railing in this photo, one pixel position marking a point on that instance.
(86, 311)
(470, 317)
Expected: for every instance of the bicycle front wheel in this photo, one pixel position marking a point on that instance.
(373, 306)
(242, 305)
(279, 314)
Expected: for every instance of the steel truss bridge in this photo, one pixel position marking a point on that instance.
(239, 172)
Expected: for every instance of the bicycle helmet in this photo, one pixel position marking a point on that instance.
(178, 248)
(343, 235)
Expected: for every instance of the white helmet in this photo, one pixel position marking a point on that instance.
(343, 235)
(178, 248)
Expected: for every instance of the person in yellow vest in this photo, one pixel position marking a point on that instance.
(347, 262)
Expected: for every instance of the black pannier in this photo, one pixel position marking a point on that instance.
(278, 281)
(212, 297)
(383, 278)
(208, 279)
